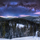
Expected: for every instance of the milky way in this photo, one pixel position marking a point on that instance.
(19, 7)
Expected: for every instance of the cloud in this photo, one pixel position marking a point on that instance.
(1, 16)
(33, 9)
(14, 16)
(37, 13)
(13, 3)
(9, 16)
(23, 15)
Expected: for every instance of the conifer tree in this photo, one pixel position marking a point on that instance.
(39, 28)
(3, 30)
(35, 27)
(27, 24)
(31, 29)
(24, 28)
(14, 26)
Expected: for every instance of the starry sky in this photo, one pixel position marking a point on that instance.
(19, 8)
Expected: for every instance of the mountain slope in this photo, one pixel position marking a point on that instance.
(30, 18)
(2, 19)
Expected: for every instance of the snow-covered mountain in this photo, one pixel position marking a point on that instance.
(31, 18)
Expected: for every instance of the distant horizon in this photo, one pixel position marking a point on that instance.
(16, 16)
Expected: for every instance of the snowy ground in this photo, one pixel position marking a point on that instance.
(4, 39)
(23, 38)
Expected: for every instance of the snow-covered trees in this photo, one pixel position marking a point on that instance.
(11, 31)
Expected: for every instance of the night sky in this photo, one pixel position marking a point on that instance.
(19, 8)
